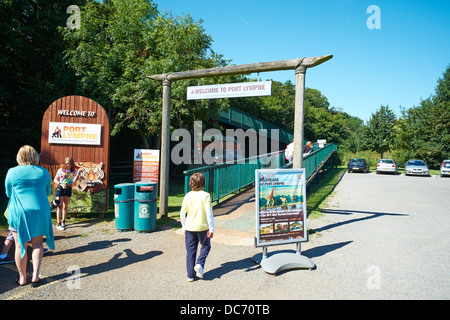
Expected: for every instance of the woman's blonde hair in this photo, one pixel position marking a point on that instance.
(27, 155)
(197, 181)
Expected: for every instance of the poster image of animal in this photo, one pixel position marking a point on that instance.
(89, 190)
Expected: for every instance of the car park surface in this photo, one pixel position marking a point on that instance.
(392, 246)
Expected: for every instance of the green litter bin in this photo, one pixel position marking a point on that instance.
(145, 206)
(124, 206)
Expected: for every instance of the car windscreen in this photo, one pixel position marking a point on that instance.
(447, 164)
(416, 163)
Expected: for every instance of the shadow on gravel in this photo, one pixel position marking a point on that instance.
(113, 264)
(246, 265)
(250, 264)
(322, 250)
(370, 215)
(92, 246)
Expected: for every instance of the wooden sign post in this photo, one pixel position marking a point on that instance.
(78, 127)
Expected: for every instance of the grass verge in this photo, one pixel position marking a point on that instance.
(318, 193)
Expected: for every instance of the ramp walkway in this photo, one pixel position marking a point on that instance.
(223, 180)
(241, 119)
(229, 178)
(236, 214)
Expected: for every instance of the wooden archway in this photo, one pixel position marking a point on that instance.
(78, 112)
(299, 65)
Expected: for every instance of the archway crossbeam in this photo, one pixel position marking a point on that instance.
(244, 68)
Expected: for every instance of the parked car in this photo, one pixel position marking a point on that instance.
(358, 164)
(387, 165)
(416, 167)
(445, 168)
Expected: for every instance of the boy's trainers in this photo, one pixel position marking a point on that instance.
(199, 269)
(190, 279)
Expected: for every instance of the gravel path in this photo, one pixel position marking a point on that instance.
(382, 237)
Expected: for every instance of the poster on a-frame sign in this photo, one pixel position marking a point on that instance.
(280, 196)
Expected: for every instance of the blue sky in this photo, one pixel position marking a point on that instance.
(396, 65)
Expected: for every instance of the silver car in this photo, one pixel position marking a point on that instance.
(416, 167)
(445, 168)
(387, 165)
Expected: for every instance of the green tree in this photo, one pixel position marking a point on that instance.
(120, 43)
(33, 74)
(278, 108)
(354, 127)
(441, 111)
(320, 121)
(424, 131)
(379, 132)
(316, 99)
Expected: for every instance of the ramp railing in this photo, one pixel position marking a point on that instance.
(224, 179)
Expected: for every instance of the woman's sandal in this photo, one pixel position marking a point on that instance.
(19, 284)
(35, 284)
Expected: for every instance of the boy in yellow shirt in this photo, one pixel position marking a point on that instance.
(198, 223)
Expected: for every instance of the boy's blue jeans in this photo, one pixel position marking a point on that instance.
(192, 239)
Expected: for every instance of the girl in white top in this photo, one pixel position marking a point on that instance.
(198, 223)
(64, 177)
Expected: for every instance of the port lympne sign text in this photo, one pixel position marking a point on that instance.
(230, 90)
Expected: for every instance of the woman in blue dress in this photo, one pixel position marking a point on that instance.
(29, 218)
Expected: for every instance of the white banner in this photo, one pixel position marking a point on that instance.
(230, 90)
(74, 133)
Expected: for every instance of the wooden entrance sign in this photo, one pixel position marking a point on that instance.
(78, 127)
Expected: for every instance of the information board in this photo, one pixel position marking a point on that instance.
(280, 196)
(146, 165)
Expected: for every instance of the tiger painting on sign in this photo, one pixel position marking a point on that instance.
(90, 177)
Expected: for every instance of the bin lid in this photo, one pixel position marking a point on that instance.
(124, 191)
(120, 185)
(145, 183)
(145, 190)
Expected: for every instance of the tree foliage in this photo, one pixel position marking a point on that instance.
(33, 72)
(423, 132)
(120, 43)
(379, 132)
